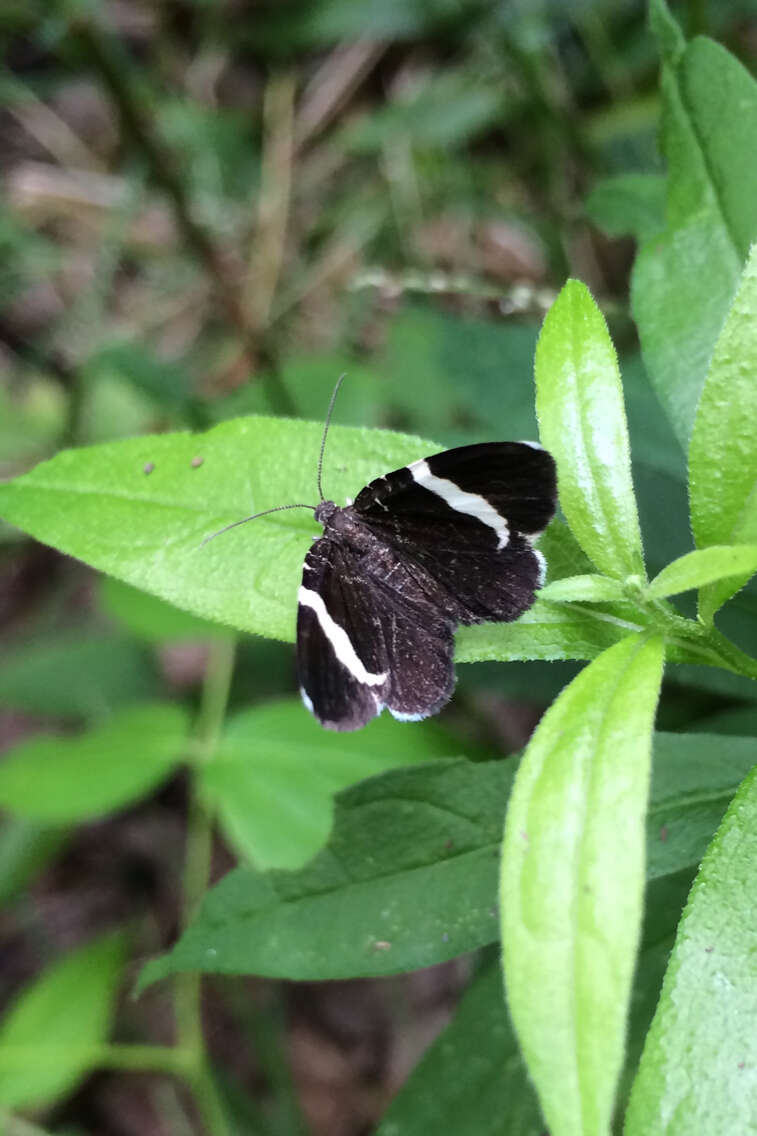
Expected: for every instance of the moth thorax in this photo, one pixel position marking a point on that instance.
(325, 511)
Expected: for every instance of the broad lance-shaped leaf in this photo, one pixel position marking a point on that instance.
(68, 779)
(706, 565)
(723, 452)
(50, 1034)
(572, 883)
(698, 1072)
(101, 505)
(684, 278)
(422, 846)
(582, 421)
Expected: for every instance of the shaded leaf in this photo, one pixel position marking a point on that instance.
(697, 1072)
(684, 278)
(276, 771)
(68, 779)
(495, 1085)
(25, 848)
(65, 1013)
(723, 452)
(75, 676)
(628, 204)
(409, 876)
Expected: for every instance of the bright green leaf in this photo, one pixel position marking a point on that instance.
(472, 1081)
(572, 883)
(685, 277)
(579, 402)
(545, 631)
(100, 505)
(723, 452)
(66, 1012)
(697, 1072)
(409, 874)
(276, 771)
(696, 569)
(583, 589)
(67, 779)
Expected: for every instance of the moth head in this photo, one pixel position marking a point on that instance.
(325, 512)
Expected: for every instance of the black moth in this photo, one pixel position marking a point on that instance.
(443, 541)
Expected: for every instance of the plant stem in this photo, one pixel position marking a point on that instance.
(199, 849)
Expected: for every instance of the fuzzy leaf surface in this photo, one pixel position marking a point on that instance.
(573, 870)
(582, 422)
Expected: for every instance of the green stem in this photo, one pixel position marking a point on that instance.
(734, 659)
(199, 849)
(713, 645)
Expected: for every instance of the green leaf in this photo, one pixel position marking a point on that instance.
(409, 875)
(276, 771)
(99, 505)
(579, 402)
(77, 677)
(545, 631)
(572, 882)
(583, 589)
(480, 1041)
(666, 31)
(150, 618)
(60, 780)
(694, 777)
(628, 203)
(685, 277)
(25, 848)
(563, 553)
(408, 878)
(723, 452)
(696, 569)
(65, 1014)
(697, 1070)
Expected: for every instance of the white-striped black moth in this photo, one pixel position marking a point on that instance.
(443, 541)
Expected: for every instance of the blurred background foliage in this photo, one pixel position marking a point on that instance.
(214, 207)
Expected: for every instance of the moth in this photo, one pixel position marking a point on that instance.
(444, 541)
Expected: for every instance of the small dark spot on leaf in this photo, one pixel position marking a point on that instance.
(708, 950)
(664, 832)
(449, 845)
(148, 467)
(197, 462)
(741, 1065)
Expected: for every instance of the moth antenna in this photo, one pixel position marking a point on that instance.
(254, 517)
(334, 393)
